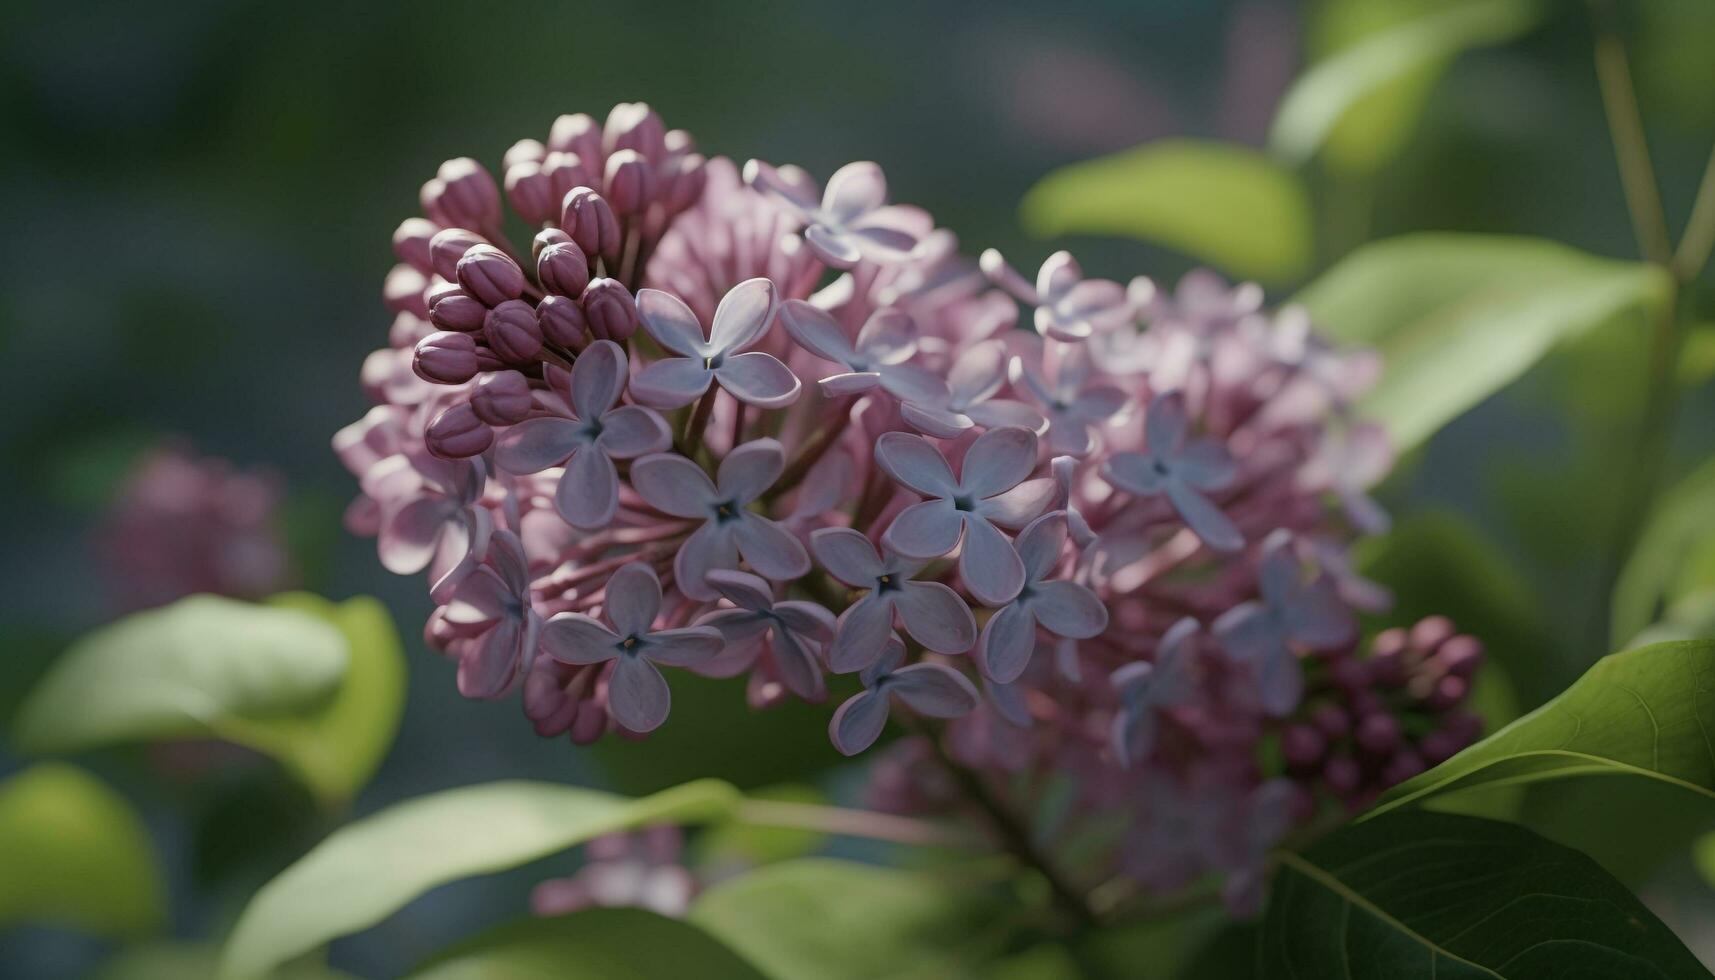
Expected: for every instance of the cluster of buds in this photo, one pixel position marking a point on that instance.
(1080, 537)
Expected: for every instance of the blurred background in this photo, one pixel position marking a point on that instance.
(198, 198)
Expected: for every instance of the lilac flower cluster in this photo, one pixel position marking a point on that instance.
(1085, 536)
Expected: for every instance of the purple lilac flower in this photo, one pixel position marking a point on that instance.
(1061, 607)
(930, 689)
(1148, 688)
(1179, 468)
(490, 609)
(1068, 307)
(795, 631)
(968, 399)
(1290, 610)
(753, 377)
(1077, 409)
(431, 517)
(637, 693)
(851, 222)
(599, 431)
(932, 613)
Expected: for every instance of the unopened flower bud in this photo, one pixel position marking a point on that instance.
(448, 246)
(502, 398)
(576, 133)
(563, 269)
(628, 182)
(1302, 746)
(457, 433)
(1447, 692)
(562, 322)
(1350, 673)
(411, 243)
(1404, 765)
(512, 331)
(689, 180)
(446, 357)
(610, 310)
(636, 127)
(544, 238)
(1331, 720)
(454, 309)
(524, 151)
(1461, 655)
(403, 291)
(1343, 774)
(468, 194)
(407, 329)
(530, 192)
(566, 171)
(586, 216)
(1431, 631)
(1377, 734)
(490, 275)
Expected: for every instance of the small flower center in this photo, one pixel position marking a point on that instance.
(1160, 466)
(964, 502)
(630, 644)
(887, 583)
(713, 361)
(727, 511)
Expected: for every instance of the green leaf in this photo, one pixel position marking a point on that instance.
(76, 854)
(1433, 895)
(822, 919)
(1458, 317)
(597, 944)
(337, 747)
(1681, 525)
(1703, 857)
(1219, 202)
(370, 868)
(194, 961)
(738, 842)
(185, 670)
(1361, 101)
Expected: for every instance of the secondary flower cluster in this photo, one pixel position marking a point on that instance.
(1082, 535)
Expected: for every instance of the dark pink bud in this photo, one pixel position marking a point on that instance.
(530, 192)
(1447, 692)
(457, 433)
(563, 322)
(447, 357)
(502, 398)
(407, 329)
(688, 182)
(524, 151)
(1461, 655)
(1389, 643)
(1349, 673)
(566, 171)
(411, 243)
(562, 269)
(610, 310)
(680, 142)
(586, 217)
(544, 238)
(1430, 632)
(468, 194)
(1343, 774)
(448, 246)
(403, 291)
(512, 331)
(628, 182)
(1404, 765)
(1378, 734)
(455, 309)
(577, 133)
(1331, 720)
(490, 275)
(1302, 746)
(1439, 746)
(636, 127)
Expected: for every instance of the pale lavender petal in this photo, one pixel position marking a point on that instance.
(836, 249)
(887, 337)
(1280, 682)
(934, 690)
(687, 647)
(536, 444)
(914, 383)
(708, 548)
(506, 557)
(737, 626)
(861, 634)
(932, 420)
(769, 548)
(1020, 505)
(488, 668)
(847, 555)
(798, 667)
(790, 184)
(1069, 435)
(482, 597)
(1099, 402)
(891, 657)
(998, 461)
(671, 323)
(1316, 618)
(1134, 726)
(672, 382)
(409, 535)
(637, 695)
(858, 722)
(978, 373)
(817, 332)
(1008, 640)
(990, 567)
(742, 316)
(1205, 464)
(750, 469)
(574, 638)
(916, 464)
(1008, 701)
(598, 377)
(1165, 425)
(1247, 633)
(854, 189)
(588, 494)
(1041, 544)
(936, 617)
(673, 485)
(806, 619)
(632, 430)
(743, 589)
(880, 242)
(1278, 571)
(1204, 518)
(850, 383)
(1069, 609)
(1059, 273)
(633, 599)
(927, 529)
(759, 379)
(1135, 473)
(1004, 411)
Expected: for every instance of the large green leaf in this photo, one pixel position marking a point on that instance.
(1458, 317)
(370, 868)
(1434, 895)
(195, 961)
(1680, 529)
(1218, 202)
(75, 853)
(336, 747)
(1361, 101)
(188, 669)
(597, 944)
(822, 919)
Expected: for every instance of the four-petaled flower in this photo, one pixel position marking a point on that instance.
(877, 358)
(931, 690)
(1068, 307)
(637, 694)
(1076, 409)
(794, 630)
(932, 613)
(676, 486)
(1148, 688)
(1064, 608)
(431, 517)
(743, 316)
(1290, 610)
(967, 399)
(599, 431)
(1179, 468)
(490, 609)
(851, 222)
(992, 489)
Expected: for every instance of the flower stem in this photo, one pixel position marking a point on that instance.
(848, 822)
(814, 450)
(1699, 238)
(691, 439)
(1631, 150)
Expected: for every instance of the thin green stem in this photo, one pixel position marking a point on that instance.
(849, 823)
(1699, 237)
(1631, 150)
